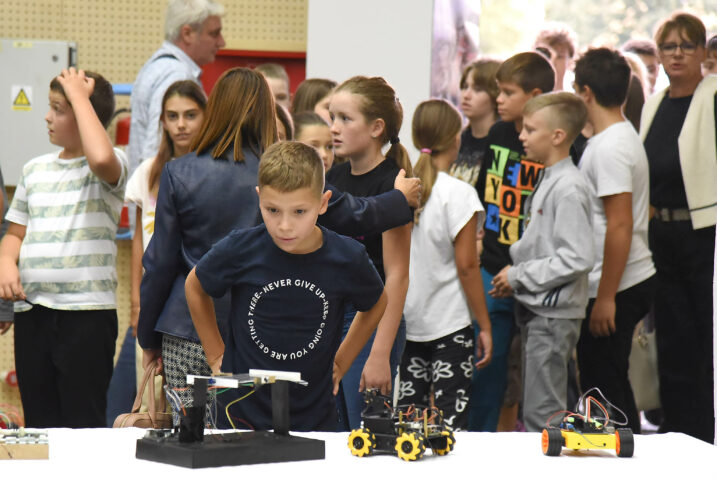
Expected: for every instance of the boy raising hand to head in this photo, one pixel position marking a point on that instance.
(57, 260)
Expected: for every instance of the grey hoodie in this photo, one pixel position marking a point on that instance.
(553, 257)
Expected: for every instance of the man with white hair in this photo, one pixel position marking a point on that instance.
(193, 34)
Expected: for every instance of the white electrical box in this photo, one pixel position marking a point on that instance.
(27, 68)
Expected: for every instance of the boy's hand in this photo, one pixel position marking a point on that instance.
(376, 374)
(410, 187)
(501, 286)
(484, 349)
(337, 375)
(602, 318)
(76, 84)
(4, 327)
(216, 364)
(10, 286)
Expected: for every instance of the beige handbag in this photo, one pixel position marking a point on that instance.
(156, 417)
(643, 369)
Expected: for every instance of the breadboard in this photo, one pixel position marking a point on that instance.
(24, 445)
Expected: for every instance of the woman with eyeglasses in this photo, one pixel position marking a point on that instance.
(678, 130)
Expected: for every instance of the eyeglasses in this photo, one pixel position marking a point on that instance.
(670, 49)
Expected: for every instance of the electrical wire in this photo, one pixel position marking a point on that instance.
(583, 403)
(226, 410)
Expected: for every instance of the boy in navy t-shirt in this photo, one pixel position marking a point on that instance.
(290, 281)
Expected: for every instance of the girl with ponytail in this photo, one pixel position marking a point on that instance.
(366, 115)
(445, 280)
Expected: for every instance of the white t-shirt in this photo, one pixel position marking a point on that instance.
(138, 193)
(615, 162)
(435, 303)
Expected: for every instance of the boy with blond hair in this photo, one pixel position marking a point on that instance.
(549, 278)
(290, 280)
(504, 182)
(57, 260)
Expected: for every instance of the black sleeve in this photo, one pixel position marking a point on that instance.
(354, 216)
(162, 263)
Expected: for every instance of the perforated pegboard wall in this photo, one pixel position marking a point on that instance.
(115, 38)
(273, 25)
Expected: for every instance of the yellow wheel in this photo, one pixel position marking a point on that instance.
(450, 441)
(361, 442)
(410, 446)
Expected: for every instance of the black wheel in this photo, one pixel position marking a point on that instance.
(552, 441)
(450, 441)
(624, 442)
(361, 442)
(410, 446)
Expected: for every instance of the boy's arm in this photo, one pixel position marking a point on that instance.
(469, 275)
(201, 307)
(618, 238)
(360, 331)
(574, 250)
(10, 286)
(96, 143)
(355, 216)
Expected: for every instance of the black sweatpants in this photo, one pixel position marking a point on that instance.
(64, 364)
(604, 361)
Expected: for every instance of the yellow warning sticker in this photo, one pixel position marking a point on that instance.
(21, 97)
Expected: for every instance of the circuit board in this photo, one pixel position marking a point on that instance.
(24, 445)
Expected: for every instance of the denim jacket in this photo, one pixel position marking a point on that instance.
(200, 201)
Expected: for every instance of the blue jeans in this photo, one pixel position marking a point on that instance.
(488, 384)
(349, 400)
(123, 385)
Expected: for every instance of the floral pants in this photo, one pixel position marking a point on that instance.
(444, 365)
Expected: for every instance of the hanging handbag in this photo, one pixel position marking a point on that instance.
(643, 368)
(156, 416)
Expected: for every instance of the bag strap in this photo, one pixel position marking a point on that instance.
(148, 372)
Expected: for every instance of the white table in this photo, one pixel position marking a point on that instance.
(107, 452)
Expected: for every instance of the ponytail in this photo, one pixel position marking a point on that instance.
(399, 155)
(426, 171)
(436, 123)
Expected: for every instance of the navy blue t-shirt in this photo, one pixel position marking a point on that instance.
(287, 314)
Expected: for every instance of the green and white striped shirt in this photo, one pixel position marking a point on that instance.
(68, 257)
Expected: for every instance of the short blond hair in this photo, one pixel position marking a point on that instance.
(567, 111)
(289, 165)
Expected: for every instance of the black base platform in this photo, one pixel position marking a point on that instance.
(229, 449)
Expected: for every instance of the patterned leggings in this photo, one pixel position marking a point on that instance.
(182, 357)
(447, 365)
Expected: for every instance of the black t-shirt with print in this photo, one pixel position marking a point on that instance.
(504, 183)
(470, 157)
(379, 180)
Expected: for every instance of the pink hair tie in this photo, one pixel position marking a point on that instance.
(426, 150)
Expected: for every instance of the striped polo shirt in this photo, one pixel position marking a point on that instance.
(68, 257)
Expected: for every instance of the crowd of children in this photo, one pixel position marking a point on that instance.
(288, 235)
